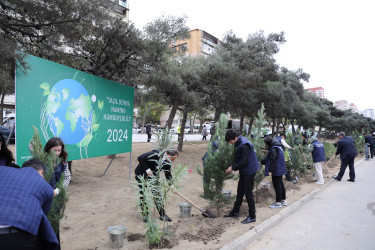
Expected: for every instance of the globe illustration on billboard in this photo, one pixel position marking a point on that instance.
(69, 111)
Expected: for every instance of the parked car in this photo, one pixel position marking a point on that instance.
(5, 132)
(10, 124)
(136, 130)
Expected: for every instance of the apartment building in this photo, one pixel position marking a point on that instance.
(368, 113)
(345, 105)
(319, 91)
(199, 43)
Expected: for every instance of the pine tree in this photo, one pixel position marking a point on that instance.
(216, 163)
(56, 212)
(300, 158)
(258, 144)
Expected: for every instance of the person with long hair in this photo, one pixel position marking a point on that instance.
(6, 156)
(57, 146)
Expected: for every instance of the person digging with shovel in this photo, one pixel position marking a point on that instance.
(246, 161)
(148, 167)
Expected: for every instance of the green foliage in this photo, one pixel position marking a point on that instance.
(300, 158)
(156, 189)
(359, 140)
(50, 161)
(258, 144)
(329, 150)
(216, 163)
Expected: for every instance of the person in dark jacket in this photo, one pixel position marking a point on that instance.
(6, 156)
(148, 131)
(25, 199)
(246, 162)
(317, 150)
(371, 144)
(149, 167)
(275, 167)
(56, 146)
(347, 152)
(288, 161)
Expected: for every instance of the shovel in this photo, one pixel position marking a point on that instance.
(329, 160)
(205, 213)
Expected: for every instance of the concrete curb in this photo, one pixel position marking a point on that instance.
(248, 237)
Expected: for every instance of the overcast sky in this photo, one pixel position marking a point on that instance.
(333, 41)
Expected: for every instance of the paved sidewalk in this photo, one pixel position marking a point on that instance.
(339, 215)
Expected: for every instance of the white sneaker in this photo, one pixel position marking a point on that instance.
(284, 203)
(276, 205)
(320, 183)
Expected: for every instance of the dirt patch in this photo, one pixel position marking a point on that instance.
(135, 236)
(205, 234)
(98, 202)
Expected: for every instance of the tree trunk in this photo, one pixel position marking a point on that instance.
(217, 115)
(241, 123)
(184, 119)
(292, 124)
(250, 125)
(2, 108)
(172, 114)
(273, 125)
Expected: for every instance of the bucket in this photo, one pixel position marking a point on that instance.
(185, 210)
(226, 194)
(116, 236)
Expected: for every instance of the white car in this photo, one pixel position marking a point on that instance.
(136, 130)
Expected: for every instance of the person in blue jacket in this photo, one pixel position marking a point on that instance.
(246, 162)
(56, 146)
(275, 167)
(370, 143)
(317, 150)
(347, 152)
(25, 199)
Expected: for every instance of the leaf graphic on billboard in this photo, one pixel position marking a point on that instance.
(95, 127)
(46, 87)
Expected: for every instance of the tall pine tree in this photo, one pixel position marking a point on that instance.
(215, 164)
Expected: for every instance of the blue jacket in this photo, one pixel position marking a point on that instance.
(57, 174)
(318, 152)
(246, 166)
(275, 160)
(25, 199)
(345, 148)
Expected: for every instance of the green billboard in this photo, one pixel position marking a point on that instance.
(93, 116)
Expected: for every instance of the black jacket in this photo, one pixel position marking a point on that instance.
(150, 161)
(369, 140)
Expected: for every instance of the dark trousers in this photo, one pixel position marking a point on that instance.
(245, 187)
(372, 149)
(344, 164)
(148, 137)
(20, 240)
(204, 138)
(278, 185)
(158, 207)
